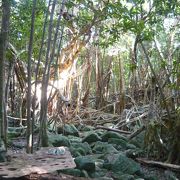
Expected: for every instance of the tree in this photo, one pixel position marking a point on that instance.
(3, 47)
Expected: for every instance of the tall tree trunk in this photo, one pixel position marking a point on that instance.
(44, 101)
(3, 47)
(29, 120)
(121, 87)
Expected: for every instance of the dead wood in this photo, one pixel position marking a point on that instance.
(173, 167)
(115, 130)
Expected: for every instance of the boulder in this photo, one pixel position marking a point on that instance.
(72, 172)
(87, 128)
(104, 148)
(74, 139)
(119, 143)
(68, 129)
(121, 163)
(110, 134)
(125, 165)
(91, 137)
(118, 176)
(58, 140)
(85, 163)
(80, 149)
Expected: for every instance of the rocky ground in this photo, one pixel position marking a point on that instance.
(103, 155)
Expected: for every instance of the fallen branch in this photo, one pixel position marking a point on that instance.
(111, 129)
(15, 118)
(173, 167)
(133, 119)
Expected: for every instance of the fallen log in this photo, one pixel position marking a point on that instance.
(173, 167)
(112, 129)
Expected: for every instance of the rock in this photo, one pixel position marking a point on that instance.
(133, 153)
(117, 176)
(103, 178)
(73, 172)
(91, 137)
(74, 139)
(58, 140)
(104, 148)
(170, 175)
(121, 163)
(125, 165)
(120, 143)
(138, 141)
(98, 173)
(85, 163)
(2, 151)
(151, 177)
(68, 129)
(87, 128)
(110, 134)
(80, 149)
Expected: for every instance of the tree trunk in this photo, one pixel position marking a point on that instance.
(3, 47)
(44, 101)
(29, 120)
(121, 87)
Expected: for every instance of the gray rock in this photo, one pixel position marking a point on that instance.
(85, 163)
(91, 137)
(58, 140)
(68, 129)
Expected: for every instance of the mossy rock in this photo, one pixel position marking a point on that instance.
(98, 173)
(85, 163)
(118, 176)
(152, 177)
(134, 153)
(82, 149)
(121, 163)
(74, 139)
(91, 137)
(68, 129)
(109, 134)
(138, 141)
(87, 128)
(58, 140)
(120, 143)
(125, 165)
(104, 148)
(72, 172)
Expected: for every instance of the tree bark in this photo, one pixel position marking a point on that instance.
(29, 100)
(44, 101)
(3, 47)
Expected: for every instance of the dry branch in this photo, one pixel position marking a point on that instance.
(173, 167)
(111, 129)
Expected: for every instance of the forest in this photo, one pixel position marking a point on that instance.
(90, 89)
